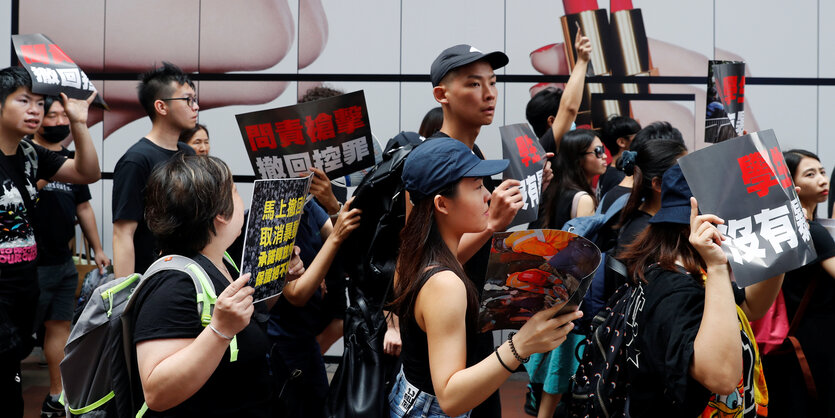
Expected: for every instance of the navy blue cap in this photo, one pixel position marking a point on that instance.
(439, 162)
(675, 198)
(459, 56)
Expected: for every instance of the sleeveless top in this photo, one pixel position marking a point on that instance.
(415, 352)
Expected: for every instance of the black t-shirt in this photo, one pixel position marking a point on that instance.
(661, 353)
(547, 141)
(796, 281)
(631, 229)
(18, 249)
(303, 321)
(612, 195)
(166, 308)
(129, 179)
(55, 217)
(608, 180)
(561, 212)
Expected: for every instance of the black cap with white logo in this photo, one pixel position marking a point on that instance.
(459, 56)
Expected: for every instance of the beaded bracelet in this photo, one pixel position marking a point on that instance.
(513, 349)
(502, 362)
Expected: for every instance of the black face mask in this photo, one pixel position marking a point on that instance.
(55, 134)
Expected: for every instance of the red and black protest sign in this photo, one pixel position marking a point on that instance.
(527, 160)
(51, 70)
(725, 114)
(332, 134)
(746, 182)
(270, 233)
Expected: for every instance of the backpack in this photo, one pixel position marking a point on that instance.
(93, 279)
(370, 253)
(593, 228)
(99, 370)
(599, 387)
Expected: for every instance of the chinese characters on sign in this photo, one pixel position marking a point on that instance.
(271, 233)
(332, 134)
(527, 160)
(52, 71)
(745, 182)
(725, 113)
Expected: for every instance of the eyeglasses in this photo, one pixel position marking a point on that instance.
(190, 101)
(598, 152)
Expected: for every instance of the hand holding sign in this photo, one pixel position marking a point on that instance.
(234, 307)
(504, 204)
(544, 332)
(295, 267)
(704, 236)
(321, 189)
(348, 220)
(76, 108)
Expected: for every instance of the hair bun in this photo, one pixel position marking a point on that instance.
(627, 162)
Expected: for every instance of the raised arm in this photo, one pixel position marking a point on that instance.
(84, 168)
(573, 93)
(299, 291)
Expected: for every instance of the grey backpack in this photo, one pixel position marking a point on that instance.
(98, 370)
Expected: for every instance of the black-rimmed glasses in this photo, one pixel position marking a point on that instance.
(190, 101)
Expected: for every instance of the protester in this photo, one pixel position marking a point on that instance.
(167, 94)
(197, 138)
(617, 135)
(194, 210)
(59, 205)
(569, 101)
(654, 149)
(788, 391)
(431, 122)
(298, 316)
(692, 351)
(570, 195)
(22, 113)
(437, 302)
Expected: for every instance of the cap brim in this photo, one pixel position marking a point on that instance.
(497, 59)
(486, 168)
(676, 215)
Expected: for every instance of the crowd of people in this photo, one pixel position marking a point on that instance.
(692, 352)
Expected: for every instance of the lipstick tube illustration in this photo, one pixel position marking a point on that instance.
(629, 45)
(594, 24)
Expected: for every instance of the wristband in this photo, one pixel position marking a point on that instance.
(222, 335)
(513, 350)
(502, 362)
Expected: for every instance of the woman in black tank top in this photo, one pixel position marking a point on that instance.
(437, 303)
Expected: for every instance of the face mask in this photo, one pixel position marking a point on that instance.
(55, 134)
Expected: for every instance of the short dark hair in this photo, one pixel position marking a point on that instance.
(186, 135)
(156, 84)
(48, 101)
(11, 79)
(543, 104)
(320, 92)
(658, 130)
(182, 199)
(617, 127)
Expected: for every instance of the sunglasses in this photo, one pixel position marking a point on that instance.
(598, 152)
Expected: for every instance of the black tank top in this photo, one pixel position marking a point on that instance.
(415, 352)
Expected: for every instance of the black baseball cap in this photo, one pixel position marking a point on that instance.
(459, 56)
(439, 162)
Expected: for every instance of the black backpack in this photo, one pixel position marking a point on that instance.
(370, 253)
(600, 385)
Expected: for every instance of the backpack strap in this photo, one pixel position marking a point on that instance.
(811, 388)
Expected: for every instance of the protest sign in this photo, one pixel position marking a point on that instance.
(527, 160)
(271, 233)
(532, 270)
(745, 181)
(332, 134)
(51, 70)
(725, 114)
